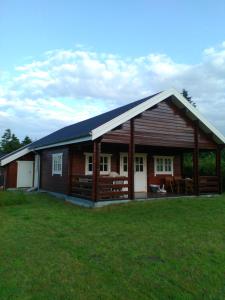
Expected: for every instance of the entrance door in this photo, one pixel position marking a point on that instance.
(25, 173)
(140, 173)
(140, 170)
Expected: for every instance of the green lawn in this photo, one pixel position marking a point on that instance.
(165, 249)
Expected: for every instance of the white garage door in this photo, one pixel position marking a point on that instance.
(25, 171)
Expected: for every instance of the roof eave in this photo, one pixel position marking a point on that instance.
(68, 142)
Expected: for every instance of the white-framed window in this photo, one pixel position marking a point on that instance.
(163, 165)
(105, 163)
(125, 163)
(57, 164)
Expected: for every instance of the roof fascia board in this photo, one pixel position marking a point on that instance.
(79, 140)
(198, 115)
(18, 154)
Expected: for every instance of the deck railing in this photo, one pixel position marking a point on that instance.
(208, 184)
(112, 187)
(108, 187)
(81, 186)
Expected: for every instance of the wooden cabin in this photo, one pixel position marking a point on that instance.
(134, 151)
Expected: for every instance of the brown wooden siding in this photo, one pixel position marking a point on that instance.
(165, 125)
(54, 183)
(11, 171)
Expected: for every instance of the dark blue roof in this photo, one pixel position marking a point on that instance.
(84, 128)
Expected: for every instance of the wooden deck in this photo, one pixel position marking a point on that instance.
(117, 188)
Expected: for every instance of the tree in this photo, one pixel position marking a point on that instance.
(27, 140)
(9, 142)
(186, 95)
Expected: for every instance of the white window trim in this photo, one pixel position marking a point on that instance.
(87, 155)
(163, 172)
(56, 172)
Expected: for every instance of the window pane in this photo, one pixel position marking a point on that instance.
(104, 164)
(57, 163)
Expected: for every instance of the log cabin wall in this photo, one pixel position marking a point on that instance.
(11, 171)
(163, 125)
(56, 182)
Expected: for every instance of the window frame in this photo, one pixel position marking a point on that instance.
(87, 163)
(163, 172)
(57, 171)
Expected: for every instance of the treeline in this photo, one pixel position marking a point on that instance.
(10, 142)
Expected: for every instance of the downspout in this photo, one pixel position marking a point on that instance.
(38, 169)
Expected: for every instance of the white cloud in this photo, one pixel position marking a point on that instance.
(66, 86)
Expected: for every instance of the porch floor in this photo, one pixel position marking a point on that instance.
(145, 195)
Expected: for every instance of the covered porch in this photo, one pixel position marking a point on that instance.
(133, 172)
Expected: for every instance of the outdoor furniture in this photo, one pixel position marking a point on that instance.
(169, 184)
(179, 184)
(188, 186)
(154, 188)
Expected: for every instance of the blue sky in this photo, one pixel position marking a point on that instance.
(63, 61)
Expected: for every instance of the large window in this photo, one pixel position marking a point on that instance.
(163, 165)
(57, 164)
(105, 164)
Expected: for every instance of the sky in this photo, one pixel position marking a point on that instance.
(63, 61)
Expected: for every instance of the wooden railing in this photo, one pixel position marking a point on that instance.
(108, 187)
(112, 188)
(81, 186)
(208, 184)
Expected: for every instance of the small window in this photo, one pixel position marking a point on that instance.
(163, 165)
(57, 164)
(125, 164)
(105, 163)
(89, 163)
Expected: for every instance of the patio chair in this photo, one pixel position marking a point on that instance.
(188, 186)
(169, 184)
(178, 184)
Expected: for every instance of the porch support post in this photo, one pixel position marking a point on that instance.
(5, 177)
(182, 164)
(70, 160)
(196, 158)
(96, 168)
(218, 168)
(131, 161)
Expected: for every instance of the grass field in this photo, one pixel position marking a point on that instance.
(165, 249)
